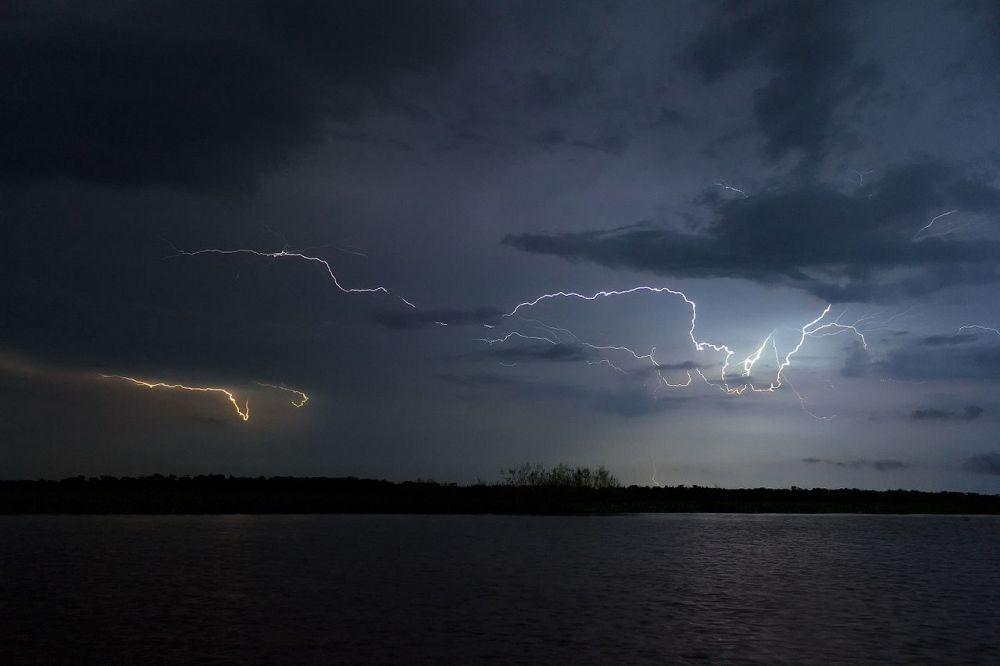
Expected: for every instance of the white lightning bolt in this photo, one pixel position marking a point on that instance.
(815, 328)
(802, 401)
(285, 254)
(608, 363)
(516, 334)
(652, 477)
(726, 186)
(977, 327)
(930, 224)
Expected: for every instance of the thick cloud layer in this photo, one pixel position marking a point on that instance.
(862, 463)
(969, 413)
(202, 94)
(919, 363)
(840, 246)
(809, 49)
(986, 463)
(758, 155)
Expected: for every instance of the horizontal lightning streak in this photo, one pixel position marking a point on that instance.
(815, 328)
(243, 413)
(608, 363)
(285, 254)
(726, 186)
(988, 329)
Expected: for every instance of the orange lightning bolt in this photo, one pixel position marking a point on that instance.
(243, 413)
(303, 398)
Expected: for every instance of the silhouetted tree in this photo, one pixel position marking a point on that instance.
(562, 476)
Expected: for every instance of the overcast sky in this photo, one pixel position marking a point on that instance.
(767, 160)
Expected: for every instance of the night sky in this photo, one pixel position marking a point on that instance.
(766, 159)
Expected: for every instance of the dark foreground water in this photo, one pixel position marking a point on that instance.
(648, 588)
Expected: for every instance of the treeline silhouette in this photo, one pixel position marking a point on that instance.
(562, 475)
(538, 494)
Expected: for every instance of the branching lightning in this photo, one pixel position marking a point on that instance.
(243, 413)
(818, 327)
(802, 401)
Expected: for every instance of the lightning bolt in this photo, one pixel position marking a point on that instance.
(812, 329)
(557, 333)
(977, 327)
(242, 413)
(554, 335)
(285, 254)
(608, 363)
(802, 401)
(930, 224)
(816, 328)
(303, 398)
(652, 477)
(729, 188)
(516, 334)
(861, 175)
(749, 361)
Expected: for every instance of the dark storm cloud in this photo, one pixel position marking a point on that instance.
(670, 117)
(489, 380)
(637, 402)
(861, 463)
(683, 365)
(809, 48)
(986, 463)
(201, 94)
(918, 363)
(572, 353)
(476, 385)
(626, 401)
(833, 244)
(982, 54)
(969, 413)
(858, 363)
(611, 143)
(947, 340)
(541, 352)
(411, 319)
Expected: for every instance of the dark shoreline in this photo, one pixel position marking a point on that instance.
(217, 494)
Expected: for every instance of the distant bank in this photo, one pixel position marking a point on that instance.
(220, 494)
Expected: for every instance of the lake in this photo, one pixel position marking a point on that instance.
(641, 588)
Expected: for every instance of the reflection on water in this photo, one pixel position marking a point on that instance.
(643, 588)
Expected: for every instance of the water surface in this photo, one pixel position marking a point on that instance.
(644, 588)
